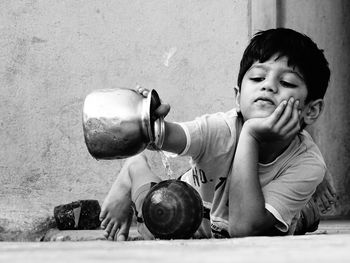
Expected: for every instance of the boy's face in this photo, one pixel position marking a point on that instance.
(266, 85)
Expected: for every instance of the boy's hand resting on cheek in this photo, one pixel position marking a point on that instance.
(282, 124)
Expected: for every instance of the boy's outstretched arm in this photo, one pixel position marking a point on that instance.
(247, 213)
(175, 138)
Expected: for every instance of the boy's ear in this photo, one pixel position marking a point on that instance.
(313, 110)
(237, 98)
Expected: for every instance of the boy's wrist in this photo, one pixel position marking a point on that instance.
(158, 135)
(248, 132)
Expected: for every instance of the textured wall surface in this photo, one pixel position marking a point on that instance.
(328, 24)
(53, 53)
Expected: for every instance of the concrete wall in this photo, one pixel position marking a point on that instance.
(328, 24)
(53, 53)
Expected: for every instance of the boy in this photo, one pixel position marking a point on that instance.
(254, 166)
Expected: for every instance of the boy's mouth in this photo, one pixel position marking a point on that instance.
(265, 100)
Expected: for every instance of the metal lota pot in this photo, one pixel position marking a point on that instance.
(119, 123)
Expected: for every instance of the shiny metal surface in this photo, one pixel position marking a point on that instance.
(172, 209)
(118, 123)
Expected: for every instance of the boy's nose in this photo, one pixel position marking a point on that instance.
(270, 86)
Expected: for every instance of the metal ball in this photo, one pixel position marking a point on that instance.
(172, 210)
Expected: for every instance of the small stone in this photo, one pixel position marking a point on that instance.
(78, 215)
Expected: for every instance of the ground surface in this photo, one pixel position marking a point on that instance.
(330, 243)
(311, 248)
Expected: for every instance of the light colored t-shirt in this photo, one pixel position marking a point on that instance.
(287, 183)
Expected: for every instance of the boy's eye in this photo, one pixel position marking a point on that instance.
(257, 79)
(288, 84)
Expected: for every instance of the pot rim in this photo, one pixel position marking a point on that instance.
(152, 97)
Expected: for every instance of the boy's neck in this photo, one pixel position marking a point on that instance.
(268, 152)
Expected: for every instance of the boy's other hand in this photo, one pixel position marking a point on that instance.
(281, 125)
(326, 195)
(163, 108)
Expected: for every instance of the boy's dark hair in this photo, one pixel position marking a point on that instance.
(301, 52)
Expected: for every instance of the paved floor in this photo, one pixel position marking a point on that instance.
(331, 243)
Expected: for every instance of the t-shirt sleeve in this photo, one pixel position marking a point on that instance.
(286, 195)
(208, 134)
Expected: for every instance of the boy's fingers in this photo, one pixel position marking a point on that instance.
(121, 237)
(113, 231)
(161, 111)
(286, 115)
(330, 197)
(143, 91)
(139, 89)
(123, 232)
(108, 229)
(325, 203)
(320, 204)
(331, 189)
(278, 111)
(105, 222)
(103, 214)
(292, 125)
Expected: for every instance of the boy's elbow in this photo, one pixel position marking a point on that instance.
(245, 229)
(240, 231)
(257, 225)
